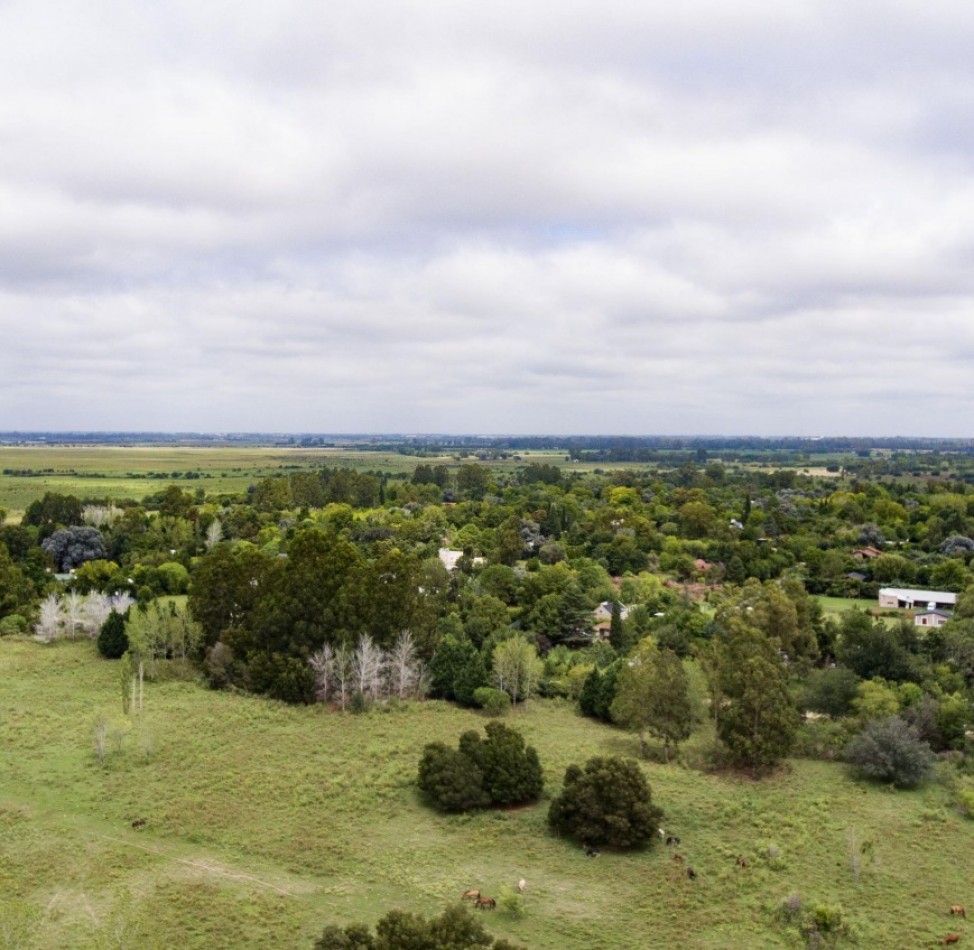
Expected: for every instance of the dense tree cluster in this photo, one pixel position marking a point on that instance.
(498, 770)
(608, 802)
(454, 929)
(292, 579)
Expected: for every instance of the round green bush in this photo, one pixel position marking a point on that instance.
(494, 702)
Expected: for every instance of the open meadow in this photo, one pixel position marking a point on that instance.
(263, 822)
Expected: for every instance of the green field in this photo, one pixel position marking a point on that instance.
(132, 472)
(264, 822)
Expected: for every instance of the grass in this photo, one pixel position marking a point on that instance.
(264, 822)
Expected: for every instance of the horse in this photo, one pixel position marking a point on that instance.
(591, 853)
(672, 839)
(741, 861)
(691, 874)
(485, 903)
(950, 938)
(522, 886)
(138, 823)
(678, 857)
(470, 895)
(958, 910)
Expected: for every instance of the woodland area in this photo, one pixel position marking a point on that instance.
(329, 585)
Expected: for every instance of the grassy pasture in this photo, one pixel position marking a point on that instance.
(264, 822)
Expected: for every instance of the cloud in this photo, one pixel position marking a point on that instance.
(457, 217)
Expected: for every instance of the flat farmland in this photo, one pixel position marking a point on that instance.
(132, 472)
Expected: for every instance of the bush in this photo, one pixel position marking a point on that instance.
(219, 665)
(13, 623)
(455, 928)
(512, 771)
(450, 779)
(500, 770)
(112, 639)
(494, 702)
(607, 803)
(891, 751)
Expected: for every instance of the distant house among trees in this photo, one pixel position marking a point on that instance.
(906, 599)
(603, 613)
(866, 553)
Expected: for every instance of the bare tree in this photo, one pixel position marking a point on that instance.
(100, 738)
(48, 626)
(95, 610)
(120, 602)
(323, 664)
(404, 668)
(214, 534)
(342, 674)
(368, 663)
(100, 515)
(72, 613)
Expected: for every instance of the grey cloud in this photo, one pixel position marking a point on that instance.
(631, 217)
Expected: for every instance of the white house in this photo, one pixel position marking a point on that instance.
(910, 599)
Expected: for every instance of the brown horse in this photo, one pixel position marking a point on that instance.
(471, 895)
(950, 938)
(958, 910)
(485, 903)
(742, 862)
(678, 857)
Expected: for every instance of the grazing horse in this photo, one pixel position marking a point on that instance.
(742, 862)
(138, 823)
(522, 886)
(691, 874)
(678, 857)
(950, 938)
(958, 910)
(662, 834)
(672, 839)
(470, 895)
(591, 852)
(485, 903)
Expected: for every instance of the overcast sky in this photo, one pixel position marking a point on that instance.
(509, 217)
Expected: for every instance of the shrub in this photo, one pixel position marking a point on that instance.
(450, 779)
(891, 751)
(965, 799)
(825, 925)
(607, 803)
(112, 639)
(455, 928)
(494, 702)
(511, 901)
(512, 771)
(219, 665)
(500, 770)
(13, 623)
